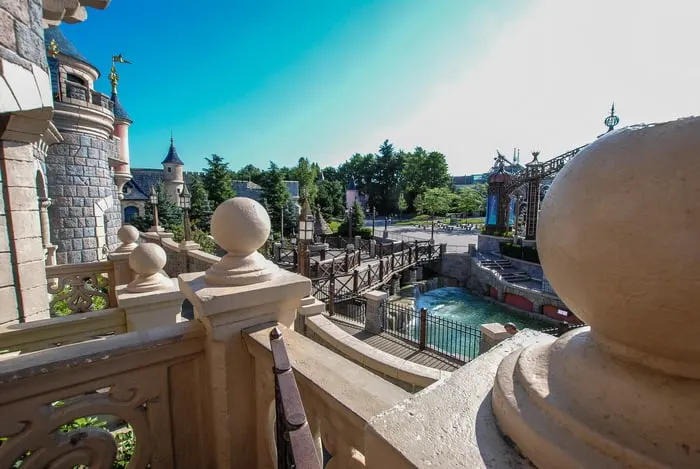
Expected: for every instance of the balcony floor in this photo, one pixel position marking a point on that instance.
(397, 347)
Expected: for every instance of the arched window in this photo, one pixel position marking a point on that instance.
(75, 79)
(130, 213)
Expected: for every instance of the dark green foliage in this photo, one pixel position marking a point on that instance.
(201, 211)
(248, 173)
(276, 198)
(217, 179)
(358, 221)
(525, 253)
(169, 214)
(331, 198)
(423, 171)
(307, 174)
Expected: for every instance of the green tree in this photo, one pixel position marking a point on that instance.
(389, 164)
(423, 170)
(403, 205)
(218, 180)
(330, 198)
(437, 201)
(200, 213)
(469, 200)
(418, 204)
(276, 197)
(358, 221)
(307, 175)
(169, 214)
(248, 172)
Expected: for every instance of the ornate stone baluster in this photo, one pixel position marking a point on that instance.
(624, 392)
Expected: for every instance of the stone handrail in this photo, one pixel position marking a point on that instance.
(79, 285)
(76, 91)
(394, 368)
(339, 396)
(150, 381)
(48, 333)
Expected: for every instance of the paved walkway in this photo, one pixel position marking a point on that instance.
(397, 347)
(457, 240)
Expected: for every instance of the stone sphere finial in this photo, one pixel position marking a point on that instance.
(618, 240)
(240, 226)
(128, 235)
(148, 260)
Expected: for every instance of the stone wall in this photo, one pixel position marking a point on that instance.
(488, 244)
(85, 212)
(532, 269)
(455, 266)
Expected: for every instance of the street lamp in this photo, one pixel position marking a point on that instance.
(374, 216)
(306, 236)
(185, 204)
(282, 223)
(350, 222)
(432, 228)
(153, 198)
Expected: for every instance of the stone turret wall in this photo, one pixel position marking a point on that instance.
(85, 212)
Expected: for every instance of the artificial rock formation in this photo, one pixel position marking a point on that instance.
(623, 393)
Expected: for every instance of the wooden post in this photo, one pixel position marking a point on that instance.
(410, 257)
(347, 266)
(423, 328)
(331, 294)
(381, 269)
(393, 262)
(355, 281)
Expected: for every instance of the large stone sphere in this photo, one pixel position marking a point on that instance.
(240, 225)
(619, 238)
(147, 259)
(128, 234)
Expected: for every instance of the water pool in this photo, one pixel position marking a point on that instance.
(458, 305)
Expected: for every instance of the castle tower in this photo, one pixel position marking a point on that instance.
(173, 173)
(85, 213)
(351, 193)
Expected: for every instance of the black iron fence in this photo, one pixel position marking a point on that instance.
(561, 329)
(354, 309)
(444, 336)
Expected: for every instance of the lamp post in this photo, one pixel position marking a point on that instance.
(282, 223)
(374, 216)
(186, 204)
(306, 236)
(153, 198)
(432, 228)
(350, 222)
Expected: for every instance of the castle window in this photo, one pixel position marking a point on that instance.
(75, 79)
(169, 169)
(130, 213)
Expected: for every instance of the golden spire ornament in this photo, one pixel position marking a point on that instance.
(52, 49)
(113, 75)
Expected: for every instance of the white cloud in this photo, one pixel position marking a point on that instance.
(547, 81)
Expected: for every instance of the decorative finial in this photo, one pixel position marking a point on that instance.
(612, 120)
(128, 235)
(243, 264)
(535, 154)
(52, 49)
(172, 140)
(147, 260)
(113, 75)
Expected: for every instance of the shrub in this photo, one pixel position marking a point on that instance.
(525, 253)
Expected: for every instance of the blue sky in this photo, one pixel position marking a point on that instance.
(256, 81)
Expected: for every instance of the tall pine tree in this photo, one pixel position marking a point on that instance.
(200, 213)
(276, 197)
(218, 179)
(169, 214)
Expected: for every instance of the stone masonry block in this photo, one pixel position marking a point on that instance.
(8, 300)
(6, 274)
(61, 258)
(22, 198)
(29, 250)
(17, 8)
(25, 224)
(7, 31)
(81, 191)
(32, 274)
(78, 244)
(17, 151)
(29, 44)
(74, 257)
(23, 85)
(20, 173)
(35, 301)
(90, 255)
(75, 211)
(85, 141)
(89, 243)
(36, 14)
(4, 236)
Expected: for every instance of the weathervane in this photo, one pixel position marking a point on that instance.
(113, 75)
(612, 120)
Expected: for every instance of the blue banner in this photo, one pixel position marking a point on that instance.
(511, 213)
(492, 209)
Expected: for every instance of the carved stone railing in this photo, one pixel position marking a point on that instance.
(78, 92)
(79, 288)
(339, 397)
(150, 384)
(54, 332)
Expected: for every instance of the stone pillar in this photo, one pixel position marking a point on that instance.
(44, 221)
(492, 334)
(639, 362)
(276, 248)
(358, 242)
(242, 290)
(374, 314)
(309, 306)
(128, 235)
(372, 248)
(396, 284)
(472, 250)
(419, 273)
(412, 275)
(184, 249)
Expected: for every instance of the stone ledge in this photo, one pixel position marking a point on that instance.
(372, 358)
(450, 424)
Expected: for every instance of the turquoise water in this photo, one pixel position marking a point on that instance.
(458, 305)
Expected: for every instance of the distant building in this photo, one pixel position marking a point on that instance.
(173, 176)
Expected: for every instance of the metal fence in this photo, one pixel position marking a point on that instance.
(444, 336)
(354, 310)
(561, 329)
